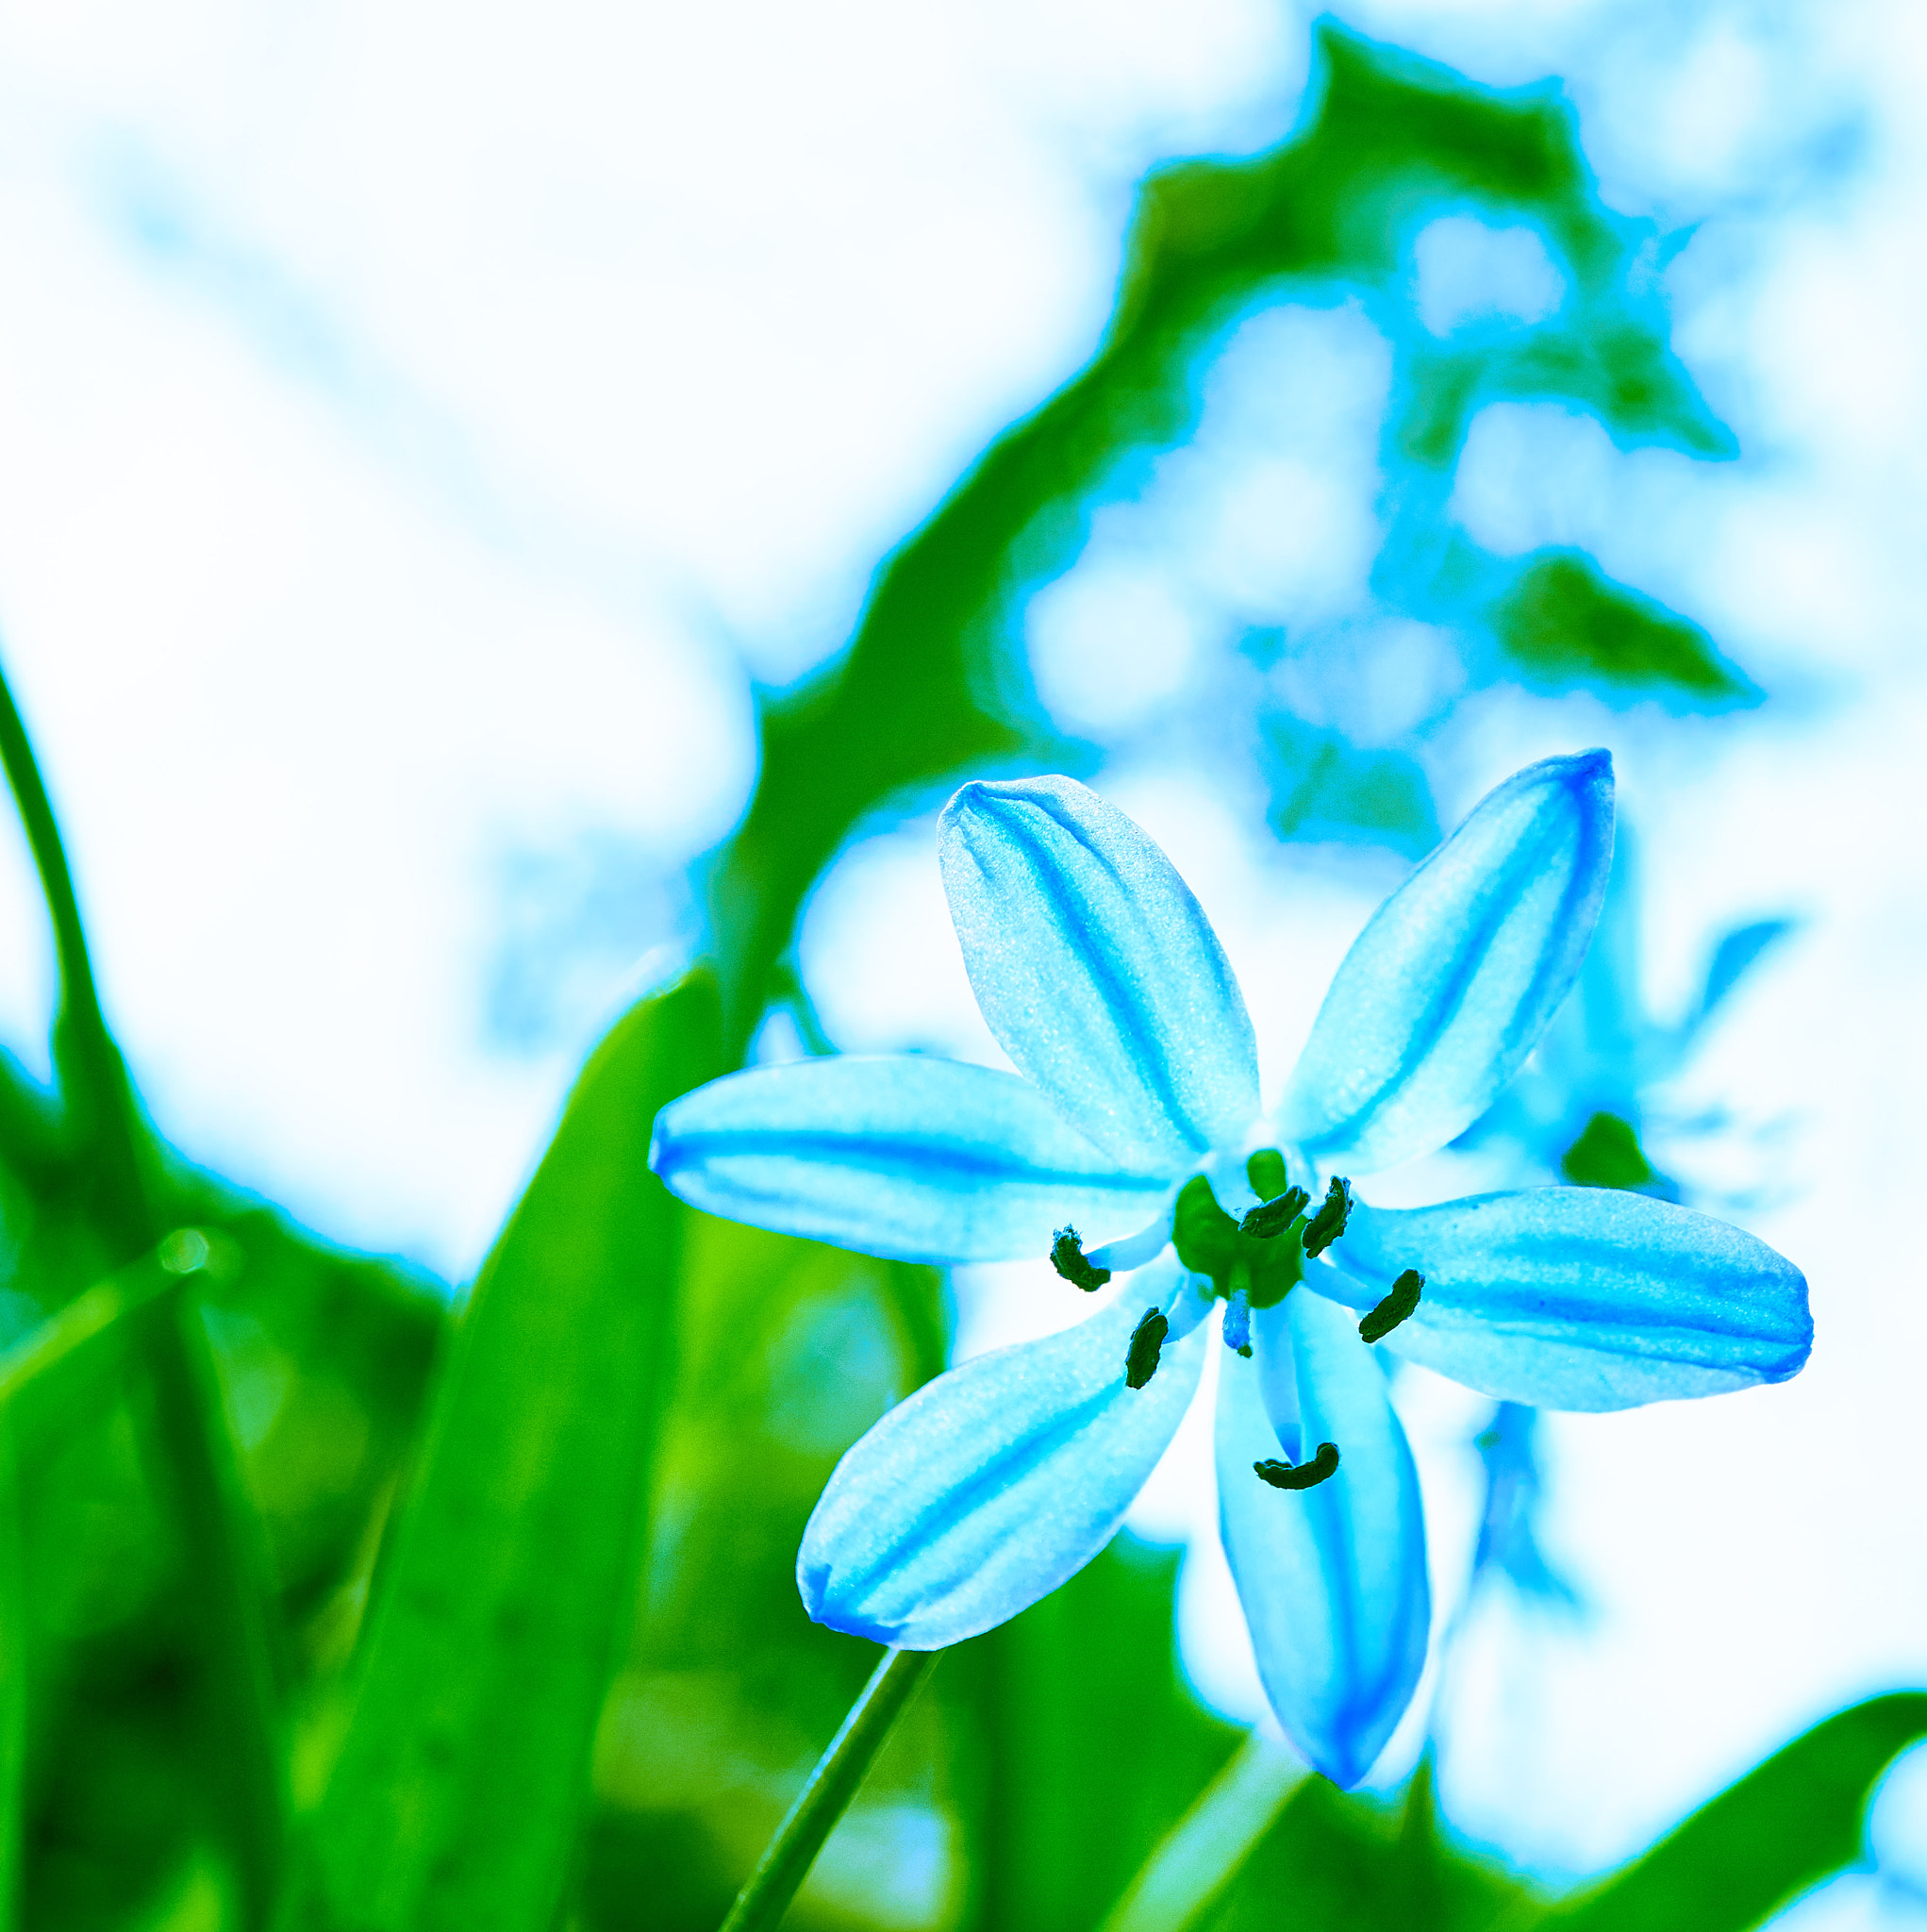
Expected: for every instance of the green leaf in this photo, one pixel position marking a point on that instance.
(1562, 622)
(1333, 1864)
(1094, 1744)
(456, 1797)
(1606, 1154)
(1323, 787)
(1779, 1831)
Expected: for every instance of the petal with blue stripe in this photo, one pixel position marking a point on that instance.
(1579, 1298)
(997, 1482)
(915, 1158)
(1444, 993)
(1332, 1578)
(1097, 970)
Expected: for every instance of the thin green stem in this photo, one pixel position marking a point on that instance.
(90, 1067)
(199, 1452)
(1205, 1849)
(789, 1856)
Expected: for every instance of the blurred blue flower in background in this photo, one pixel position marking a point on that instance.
(1588, 1108)
(1591, 1103)
(1136, 1113)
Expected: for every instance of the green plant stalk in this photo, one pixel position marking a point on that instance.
(1204, 1851)
(221, 1557)
(789, 1856)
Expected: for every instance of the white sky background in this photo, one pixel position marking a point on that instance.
(414, 430)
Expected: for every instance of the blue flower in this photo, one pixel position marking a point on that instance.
(1134, 1118)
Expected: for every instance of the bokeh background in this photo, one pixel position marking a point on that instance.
(424, 433)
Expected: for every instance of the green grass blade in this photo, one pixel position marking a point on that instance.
(1783, 1828)
(118, 1171)
(457, 1798)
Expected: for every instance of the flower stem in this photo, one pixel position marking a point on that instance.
(1205, 1849)
(222, 1563)
(840, 1770)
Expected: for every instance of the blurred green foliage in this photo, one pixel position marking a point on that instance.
(932, 683)
(1563, 622)
(537, 1657)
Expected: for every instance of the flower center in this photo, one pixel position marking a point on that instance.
(1255, 1262)
(1252, 1262)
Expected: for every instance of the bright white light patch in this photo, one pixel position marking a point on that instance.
(1110, 641)
(1465, 268)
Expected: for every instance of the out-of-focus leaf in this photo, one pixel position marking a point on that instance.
(1783, 1828)
(931, 684)
(1206, 1848)
(455, 1801)
(1606, 1154)
(1327, 788)
(1333, 1864)
(1563, 622)
(1094, 1744)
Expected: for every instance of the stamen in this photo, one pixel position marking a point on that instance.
(1393, 1309)
(1066, 1258)
(1328, 1224)
(1140, 1364)
(1300, 1476)
(1238, 1325)
(1270, 1218)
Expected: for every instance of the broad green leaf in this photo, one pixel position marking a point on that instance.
(1792, 1822)
(456, 1799)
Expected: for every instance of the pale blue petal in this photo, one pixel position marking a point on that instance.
(918, 1160)
(1444, 993)
(995, 1483)
(1097, 970)
(1332, 1578)
(1584, 1298)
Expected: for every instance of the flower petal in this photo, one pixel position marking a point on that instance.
(1444, 993)
(1332, 1578)
(995, 1483)
(917, 1159)
(1097, 970)
(1586, 1298)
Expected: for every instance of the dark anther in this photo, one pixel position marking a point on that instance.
(1270, 1218)
(1328, 1224)
(1394, 1307)
(1300, 1476)
(1146, 1340)
(1066, 1258)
